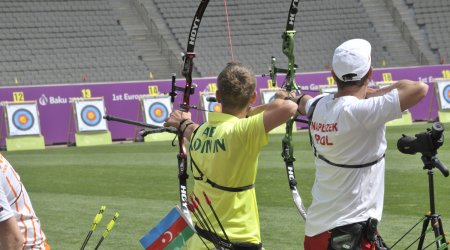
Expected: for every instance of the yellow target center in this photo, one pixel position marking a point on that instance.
(23, 119)
(217, 108)
(91, 115)
(158, 112)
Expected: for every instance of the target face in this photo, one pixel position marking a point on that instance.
(156, 109)
(158, 112)
(23, 119)
(214, 107)
(443, 90)
(446, 93)
(91, 115)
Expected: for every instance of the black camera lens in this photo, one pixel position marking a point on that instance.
(436, 130)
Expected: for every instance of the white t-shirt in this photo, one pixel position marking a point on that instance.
(14, 201)
(350, 131)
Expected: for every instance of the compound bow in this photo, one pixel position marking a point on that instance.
(290, 86)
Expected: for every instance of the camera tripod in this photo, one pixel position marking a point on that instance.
(433, 219)
(427, 143)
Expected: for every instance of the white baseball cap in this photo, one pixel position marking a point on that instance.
(351, 60)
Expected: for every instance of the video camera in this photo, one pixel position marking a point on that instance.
(426, 143)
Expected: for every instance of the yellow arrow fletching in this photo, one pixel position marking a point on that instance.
(98, 217)
(110, 225)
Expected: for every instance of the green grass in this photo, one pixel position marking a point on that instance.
(139, 180)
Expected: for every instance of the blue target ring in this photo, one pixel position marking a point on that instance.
(91, 115)
(446, 93)
(23, 119)
(214, 107)
(158, 112)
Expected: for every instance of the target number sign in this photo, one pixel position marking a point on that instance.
(156, 109)
(209, 106)
(22, 118)
(89, 114)
(443, 91)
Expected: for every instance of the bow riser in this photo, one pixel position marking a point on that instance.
(188, 90)
(290, 86)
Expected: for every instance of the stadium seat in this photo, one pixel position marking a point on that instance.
(49, 41)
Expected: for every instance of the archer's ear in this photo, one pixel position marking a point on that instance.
(218, 97)
(253, 98)
(369, 76)
(334, 75)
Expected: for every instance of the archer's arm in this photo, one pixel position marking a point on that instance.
(409, 92)
(301, 100)
(279, 111)
(260, 108)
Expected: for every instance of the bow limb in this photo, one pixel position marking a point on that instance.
(290, 86)
(188, 90)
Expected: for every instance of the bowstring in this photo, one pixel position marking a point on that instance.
(229, 32)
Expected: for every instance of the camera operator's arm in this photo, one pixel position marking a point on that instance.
(409, 92)
(10, 238)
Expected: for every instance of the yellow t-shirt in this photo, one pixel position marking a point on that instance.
(226, 150)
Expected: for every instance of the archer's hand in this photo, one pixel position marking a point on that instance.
(370, 92)
(281, 94)
(176, 117)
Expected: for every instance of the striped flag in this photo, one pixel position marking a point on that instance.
(172, 232)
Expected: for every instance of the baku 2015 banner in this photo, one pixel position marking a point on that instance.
(124, 100)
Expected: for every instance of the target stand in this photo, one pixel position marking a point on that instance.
(91, 128)
(156, 109)
(23, 127)
(444, 116)
(442, 88)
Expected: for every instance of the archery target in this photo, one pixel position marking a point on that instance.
(267, 95)
(443, 89)
(209, 106)
(158, 112)
(22, 119)
(214, 107)
(156, 109)
(89, 115)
